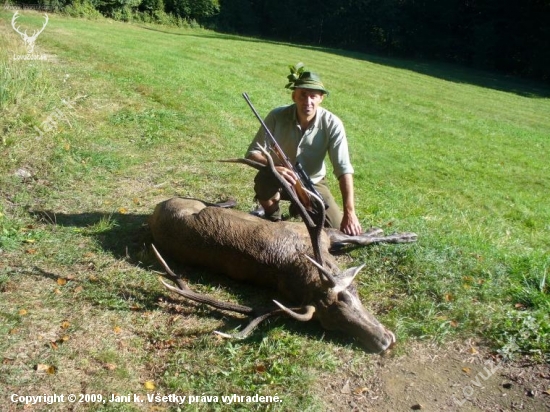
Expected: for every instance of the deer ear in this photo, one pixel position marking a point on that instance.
(343, 281)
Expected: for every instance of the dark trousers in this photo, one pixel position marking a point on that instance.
(266, 186)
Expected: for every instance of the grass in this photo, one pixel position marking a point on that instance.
(460, 157)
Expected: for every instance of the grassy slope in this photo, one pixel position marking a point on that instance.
(464, 166)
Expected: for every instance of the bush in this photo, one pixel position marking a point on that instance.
(82, 8)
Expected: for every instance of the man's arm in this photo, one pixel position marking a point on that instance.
(350, 223)
(287, 174)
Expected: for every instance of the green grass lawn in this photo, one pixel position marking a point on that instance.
(131, 115)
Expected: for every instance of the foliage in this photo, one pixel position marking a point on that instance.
(509, 36)
(81, 8)
(295, 73)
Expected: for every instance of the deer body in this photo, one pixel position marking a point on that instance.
(236, 244)
(248, 248)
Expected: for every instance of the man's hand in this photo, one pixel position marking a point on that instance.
(350, 224)
(287, 174)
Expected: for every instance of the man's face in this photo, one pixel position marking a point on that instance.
(307, 101)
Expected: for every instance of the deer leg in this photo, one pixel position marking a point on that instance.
(374, 235)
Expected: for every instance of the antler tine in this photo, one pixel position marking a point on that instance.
(303, 317)
(310, 310)
(171, 275)
(248, 162)
(250, 327)
(325, 274)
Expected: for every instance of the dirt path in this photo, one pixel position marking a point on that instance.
(459, 377)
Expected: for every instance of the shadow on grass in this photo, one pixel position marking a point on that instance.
(127, 237)
(445, 71)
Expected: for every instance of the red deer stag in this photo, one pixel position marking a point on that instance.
(285, 256)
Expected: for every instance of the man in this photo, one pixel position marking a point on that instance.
(306, 133)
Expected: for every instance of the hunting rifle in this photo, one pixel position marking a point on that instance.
(303, 182)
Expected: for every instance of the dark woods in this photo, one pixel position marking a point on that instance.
(508, 36)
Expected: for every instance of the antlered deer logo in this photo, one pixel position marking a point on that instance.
(29, 40)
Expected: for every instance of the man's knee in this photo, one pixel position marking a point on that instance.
(266, 186)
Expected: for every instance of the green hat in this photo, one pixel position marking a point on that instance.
(300, 79)
(311, 81)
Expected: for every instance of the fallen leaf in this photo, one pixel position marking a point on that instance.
(57, 291)
(260, 368)
(78, 289)
(30, 251)
(472, 350)
(546, 392)
(43, 368)
(466, 370)
(117, 329)
(110, 366)
(454, 323)
(149, 385)
(361, 390)
(448, 297)
(61, 281)
(122, 210)
(54, 345)
(93, 278)
(65, 324)
(23, 312)
(29, 240)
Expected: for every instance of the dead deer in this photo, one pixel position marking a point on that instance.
(285, 256)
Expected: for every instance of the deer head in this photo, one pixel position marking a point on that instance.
(29, 40)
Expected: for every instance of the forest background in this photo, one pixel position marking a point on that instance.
(508, 36)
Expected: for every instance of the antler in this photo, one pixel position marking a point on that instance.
(13, 19)
(185, 291)
(36, 33)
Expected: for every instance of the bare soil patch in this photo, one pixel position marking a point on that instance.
(457, 377)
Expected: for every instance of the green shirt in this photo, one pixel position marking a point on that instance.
(325, 135)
